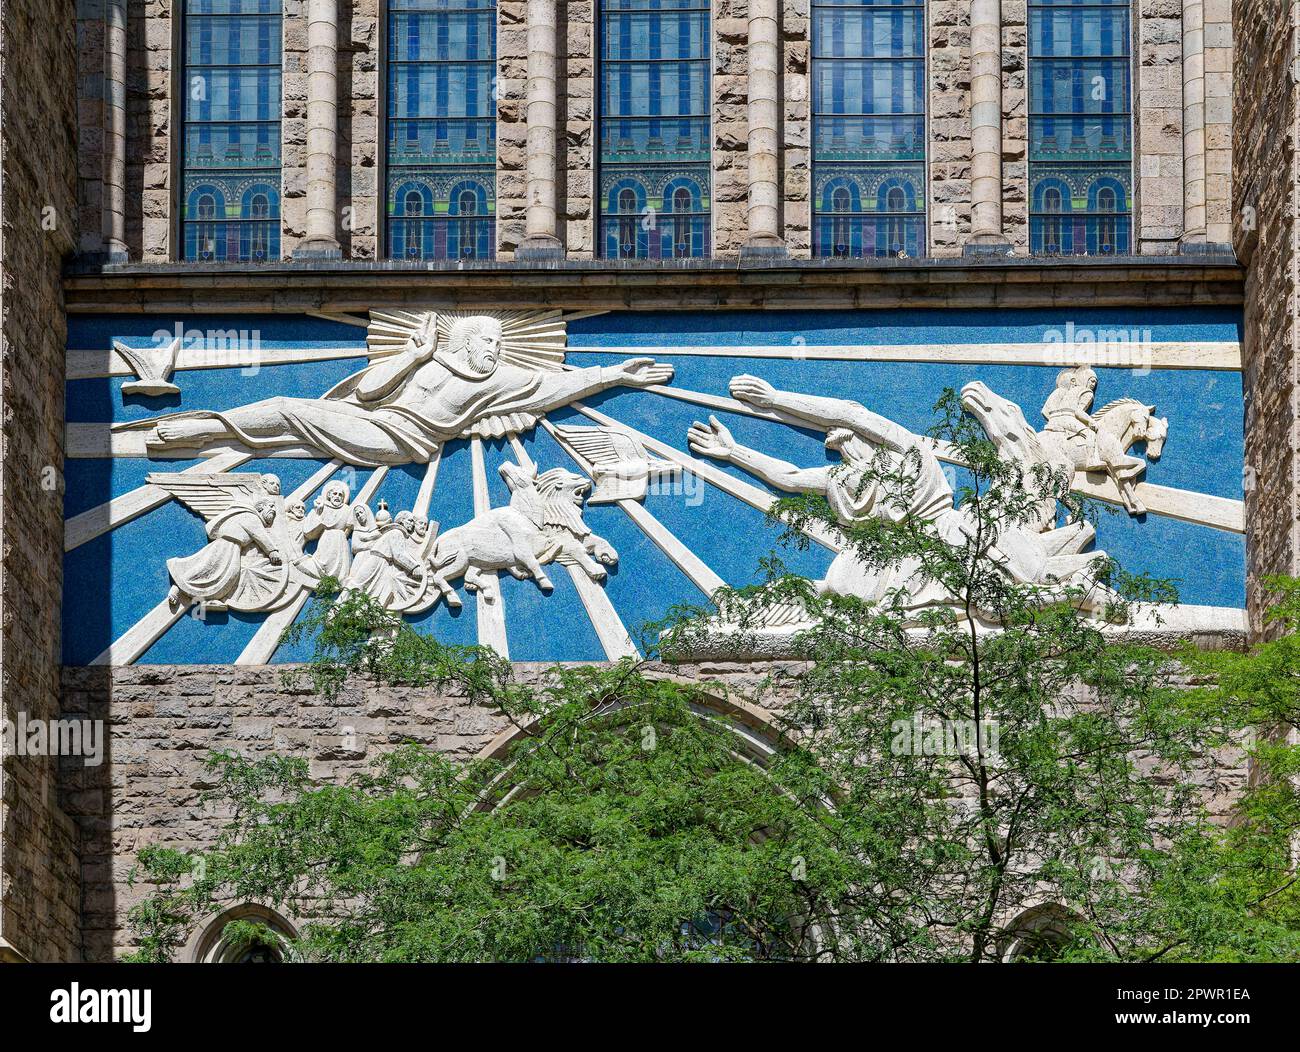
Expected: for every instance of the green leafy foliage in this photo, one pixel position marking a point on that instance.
(942, 774)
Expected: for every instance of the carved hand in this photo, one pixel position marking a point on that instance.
(275, 558)
(643, 372)
(711, 439)
(757, 392)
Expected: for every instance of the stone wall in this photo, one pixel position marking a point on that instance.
(1158, 126)
(164, 720)
(38, 135)
(1264, 234)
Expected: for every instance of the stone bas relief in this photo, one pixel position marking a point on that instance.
(402, 408)
(436, 377)
(542, 524)
(1073, 439)
(868, 443)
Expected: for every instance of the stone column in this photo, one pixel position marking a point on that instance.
(986, 236)
(540, 241)
(321, 241)
(113, 203)
(1193, 239)
(764, 183)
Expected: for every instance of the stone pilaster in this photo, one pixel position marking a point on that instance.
(1217, 140)
(1158, 127)
(730, 175)
(540, 240)
(764, 191)
(321, 241)
(795, 137)
(1193, 126)
(359, 195)
(949, 148)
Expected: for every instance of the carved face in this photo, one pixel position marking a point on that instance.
(558, 486)
(361, 513)
(336, 494)
(419, 527)
(271, 483)
(1157, 430)
(477, 343)
(296, 511)
(266, 512)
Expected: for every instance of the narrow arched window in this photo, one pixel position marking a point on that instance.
(441, 125)
(230, 128)
(627, 222)
(653, 127)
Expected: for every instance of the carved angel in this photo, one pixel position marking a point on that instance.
(620, 466)
(247, 564)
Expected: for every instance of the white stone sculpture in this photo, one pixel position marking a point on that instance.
(404, 405)
(620, 466)
(253, 560)
(390, 561)
(542, 524)
(330, 524)
(1073, 439)
(153, 367)
(852, 488)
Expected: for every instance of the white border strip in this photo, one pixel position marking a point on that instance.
(1119, 354)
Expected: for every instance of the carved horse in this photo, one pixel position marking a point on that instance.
(1118, 426)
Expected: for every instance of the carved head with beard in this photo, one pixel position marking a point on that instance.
(474, 346)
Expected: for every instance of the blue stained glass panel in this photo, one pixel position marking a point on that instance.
(868, 87)
(230, 178)
(1080, 127)
(654, 129)
(440, 144)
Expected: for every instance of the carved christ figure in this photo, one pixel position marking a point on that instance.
(401, 409)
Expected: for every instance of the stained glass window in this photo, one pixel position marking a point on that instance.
(868, 76)
(1080, 117)
(441, 129)
(653, 173)
(230, 183)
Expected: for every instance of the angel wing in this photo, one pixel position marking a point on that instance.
(602, 446)
(211, 494)
(152, 366)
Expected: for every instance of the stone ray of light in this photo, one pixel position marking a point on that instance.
(262, 647)
(491, 615)
(1219, 355)
(128, 647)
(743, 491)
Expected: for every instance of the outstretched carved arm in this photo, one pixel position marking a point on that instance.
(715, 440)
(566, 387)
(823, 412)
(380, 380)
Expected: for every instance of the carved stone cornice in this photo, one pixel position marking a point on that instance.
(350, 286)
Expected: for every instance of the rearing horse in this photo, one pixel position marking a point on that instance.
(1118, 426)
